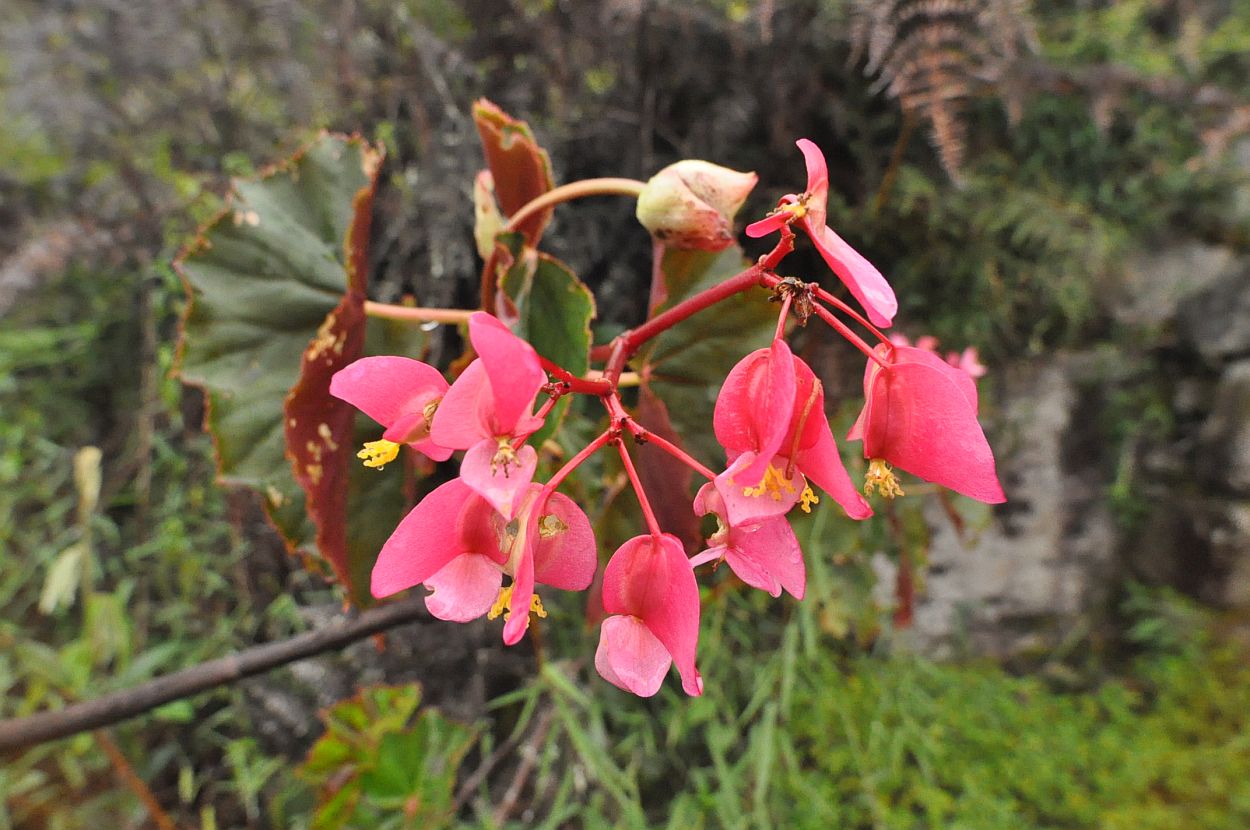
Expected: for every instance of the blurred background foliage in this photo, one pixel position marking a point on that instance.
(999, 162)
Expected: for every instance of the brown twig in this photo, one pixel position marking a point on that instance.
(19, 733)
(132, 781)
(529, 759)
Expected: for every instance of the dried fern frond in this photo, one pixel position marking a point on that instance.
(933, 55)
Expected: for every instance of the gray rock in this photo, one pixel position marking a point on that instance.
(1156, 282)
(1215, 322)
(1027, 575)
(1224, 440)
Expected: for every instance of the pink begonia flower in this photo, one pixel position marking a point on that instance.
(489, 409)
(808, 211)
(764, 554)
(770, 419)
(920, 414)
(399, 393)
(455, 543)
(652, 598)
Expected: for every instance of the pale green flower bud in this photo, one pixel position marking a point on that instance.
(691, 204)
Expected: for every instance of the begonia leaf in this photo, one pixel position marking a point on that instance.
(686, 365)
(276, 292)
(550, 308)
(520, 168)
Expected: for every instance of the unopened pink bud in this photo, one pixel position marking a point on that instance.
(691, 204)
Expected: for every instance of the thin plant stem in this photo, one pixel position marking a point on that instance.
(575, 190)
(851, 337)
(576, 461)
(410, 314)
(647, 513)
(772, 281)
(585, 386)
(781, 318)
(643, 434)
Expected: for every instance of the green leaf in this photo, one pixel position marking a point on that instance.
(686, 365)
(551, 309)
(275, 290)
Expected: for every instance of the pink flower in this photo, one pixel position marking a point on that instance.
(489, 409)
(920, 414)
(770, 419)
(764, 554)
(650, 593)
(399, 393)
(966, 360)
(460, 547)
(807, 209)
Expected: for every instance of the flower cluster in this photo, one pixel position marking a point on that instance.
(494, 520)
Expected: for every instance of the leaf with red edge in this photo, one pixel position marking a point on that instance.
(275, 305)
(520, 168)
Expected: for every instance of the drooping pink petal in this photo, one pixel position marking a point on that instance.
(817, 181)
(775, 500)
(630, 657)
(857, 273)
(423, 543)
(463, 416)
(652, 579)
(766, 555)
(513, 367)
(769, 224)
(518, 621)
(465, 588)
(822, 464)
(498, 482)
(963, 380)
(918, 418)
(385, 388)
(755, 405)
(565, 555)
(413, 429)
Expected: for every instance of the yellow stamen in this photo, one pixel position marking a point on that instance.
(881, 478)
(807, 498)
(799, 208)
(504, 457)
(773, 483)
(379, 453)
(504, 600)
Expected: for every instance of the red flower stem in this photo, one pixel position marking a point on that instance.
(412, 314)
(574, 462)
(772, 280)
(652, 525)
(548, 405)
(853, 338)
(690, 306)
(644, 435)
(784, 246)
(584, 386)
(575, 190)
(781, 318)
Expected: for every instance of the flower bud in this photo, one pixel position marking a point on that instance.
(691, 204)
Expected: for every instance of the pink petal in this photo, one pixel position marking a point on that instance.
(817, 180)
(967, 385)
(464, 415)
(823, 465)
(384, 388)
(630, 657)
(809, 411)
(408, 424)
(919, 418)
(513, 367)
(423, 543)
(654, 581)
(860, 276)
(755, 405)
(464, 589)
(769, 224)
(741, 508)
(766, 555)
(522, 594)
(502, 485)
(566, 560)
